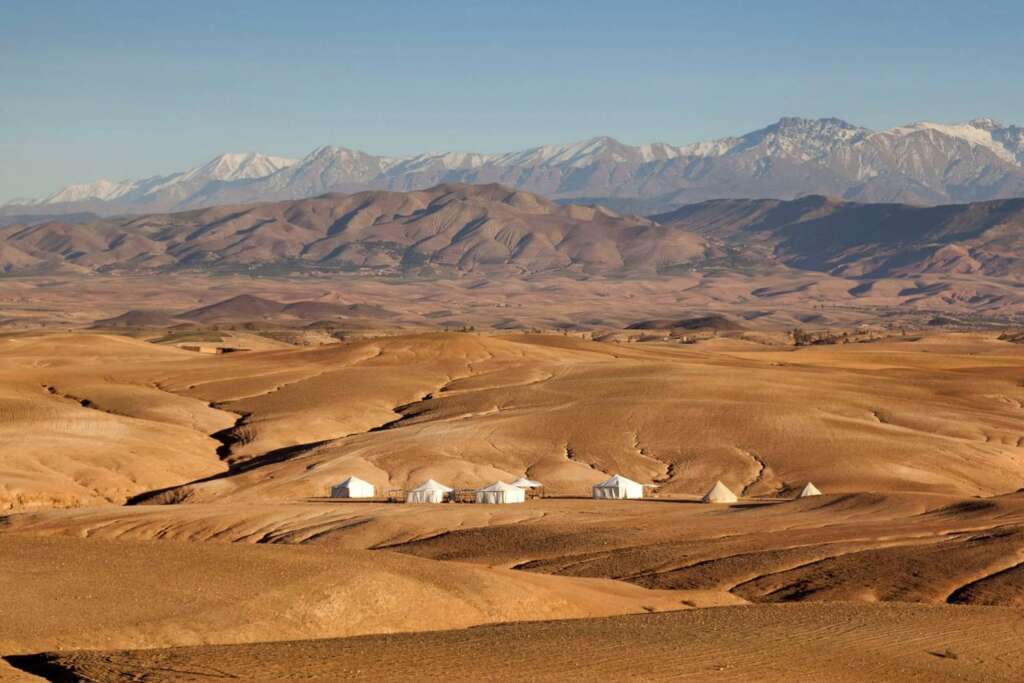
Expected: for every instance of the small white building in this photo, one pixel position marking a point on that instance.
(719, 493)
(499, 493)
(618, 487)
(429, 491)
(353, 487)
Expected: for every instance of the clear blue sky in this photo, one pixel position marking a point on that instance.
(122, 89)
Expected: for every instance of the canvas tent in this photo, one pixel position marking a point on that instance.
(353, 487)
(499, 492)
(719, 493)
(809, 490)
(524, 483)
(618, 487)
(429, 491)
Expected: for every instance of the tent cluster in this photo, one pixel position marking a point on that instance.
(432, 491)
(619, 487)
(498, 493)
(616, 488)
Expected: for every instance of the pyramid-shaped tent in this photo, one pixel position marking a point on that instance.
(719, 493)
(809, 490)
(618, 487)
(429, 491)
(524, 483)
(499, 492)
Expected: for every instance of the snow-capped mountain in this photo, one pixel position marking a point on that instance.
(920, 163)
(159, 191)
(107, 190)
(803, 139)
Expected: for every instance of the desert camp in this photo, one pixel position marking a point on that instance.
(618, 487)
(501, 493)
(353, 487)
(429, 491)
(522, 489)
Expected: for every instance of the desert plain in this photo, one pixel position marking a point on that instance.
(166, 513)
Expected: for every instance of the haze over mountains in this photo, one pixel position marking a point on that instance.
(921, 163)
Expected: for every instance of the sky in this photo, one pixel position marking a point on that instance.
(119, 90)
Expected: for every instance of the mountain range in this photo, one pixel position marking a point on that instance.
(921, 163)
(442, 231)
(454, 230)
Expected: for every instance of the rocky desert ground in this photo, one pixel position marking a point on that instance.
(166, 513)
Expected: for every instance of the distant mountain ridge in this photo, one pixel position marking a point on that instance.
(855, 240)
(921, 163)
(443, 231)
(455, 229)
(157, 192)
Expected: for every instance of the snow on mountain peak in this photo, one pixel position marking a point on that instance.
(242, 166)
(576, 154)
(978, 132)
(790, 136)
(848, 150)
(105, 190)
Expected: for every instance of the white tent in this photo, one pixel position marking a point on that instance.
(428, 492)
(353, 487)
(524, 483)
(809, 490)
(618, 487)
(500, 492)
(719, 493)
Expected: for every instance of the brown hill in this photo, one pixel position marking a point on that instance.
(249, 309)
(868, 240)
(451, 230)
(243, 306)
(140, 318)
(446, 229)
(318, 310)
(704, 322)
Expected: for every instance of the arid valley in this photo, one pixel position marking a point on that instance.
(168, 512)
(512, 341)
